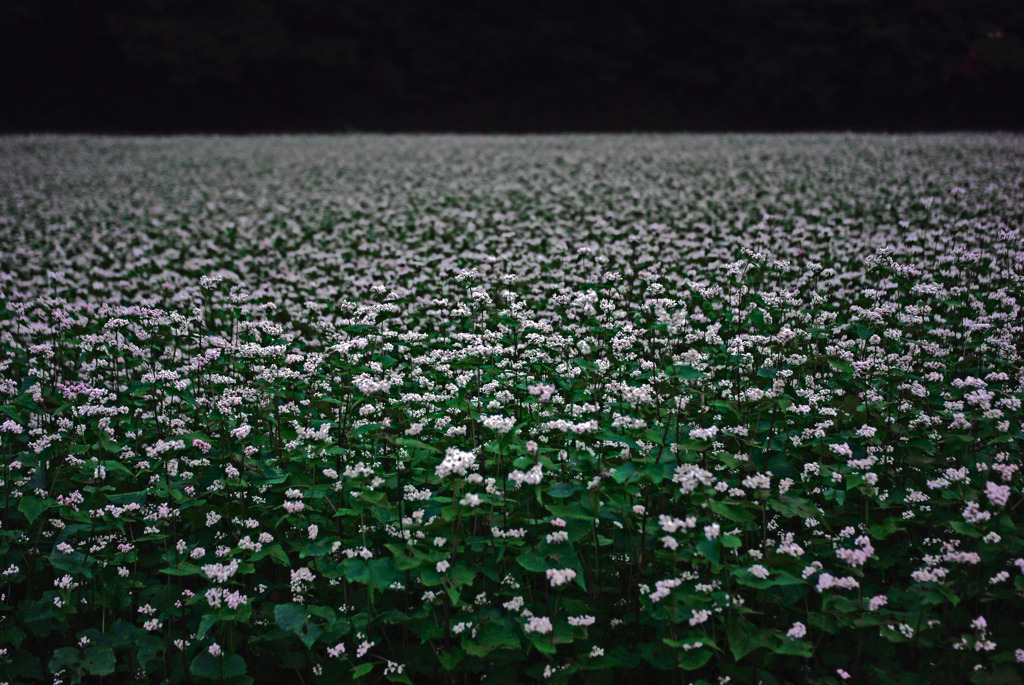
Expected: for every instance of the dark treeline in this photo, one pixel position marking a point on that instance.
(527, 65)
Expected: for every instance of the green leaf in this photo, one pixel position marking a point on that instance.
(205, 665)
(710, 549)
(32, 506)
(842, 366)
(731, 541)
(409, 442)
(99, 660)
(290, 617)
(64, 658)
(733, 512)
(658, 655)
(625, 472)
(532, 561)
(207, 622)
(492, 635)
(382, 573)
(563, 490)
(449, 660)
(693, 659)
(570, 512)
(361, 670)
(792, 647)
(744, 638)
(687, 373)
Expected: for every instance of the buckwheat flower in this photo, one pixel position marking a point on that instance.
(313, 531)
(866, 431)
(973, 513)
(557, 537)
(336, 651)
(1019, 656)
(798, 631)
(542, 392)
(596, 652)
(758, 481)
(364, 647)
(670, 542)
(699, 616)
(538, 624)
(442, 566)
(713, 531)
(498, 424)
(560, 576)
(582, 620)
(842, 674)
(531, 447)
(215, 650)
(662, 589)
(242, 432)
(471, 500)
(827, 581)
(456, 462)
(704, 433)
(997, 494)
(236, 599)
(294, 506)
(759, 571)
(877, 602)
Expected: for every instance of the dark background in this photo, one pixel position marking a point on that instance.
(517, 65)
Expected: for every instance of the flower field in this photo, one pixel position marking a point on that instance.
(456, 409)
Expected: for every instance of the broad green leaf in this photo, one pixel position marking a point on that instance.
(290, 617)
(99, 660)
(32, 506)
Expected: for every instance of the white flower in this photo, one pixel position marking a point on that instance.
(538, 624)
(560, 576)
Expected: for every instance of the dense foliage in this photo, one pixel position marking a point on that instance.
(505, 409)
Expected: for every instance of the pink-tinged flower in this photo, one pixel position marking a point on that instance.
(242, 432)
(336, 651)
(842, 674)
(215, 650)
(560, 576)
(997, 494)
(759, 571)
(877, 602)
(798, 631)
(538, 624)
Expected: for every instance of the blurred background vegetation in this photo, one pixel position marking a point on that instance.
(528, 65)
